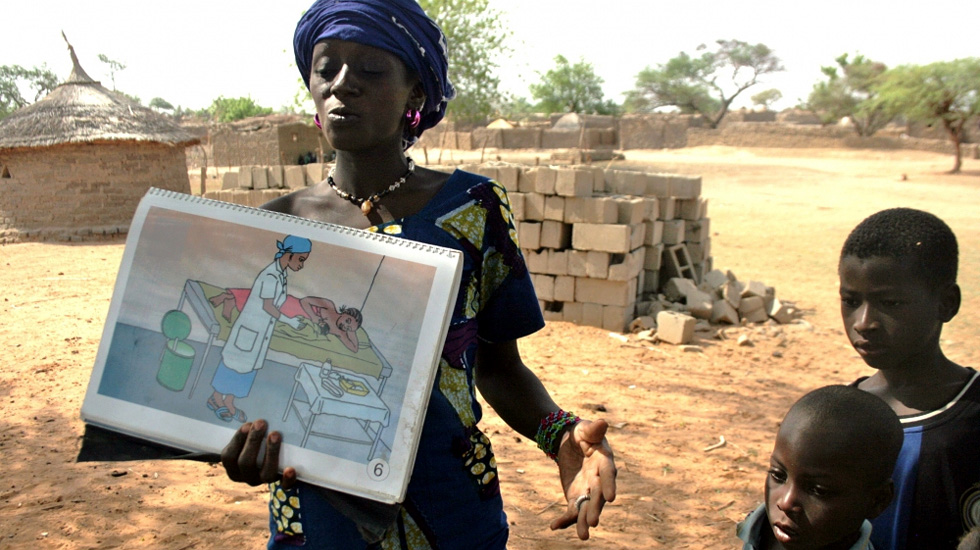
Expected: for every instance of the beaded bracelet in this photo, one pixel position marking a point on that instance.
(551, 429)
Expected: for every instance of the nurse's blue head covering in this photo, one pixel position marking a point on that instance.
(396, 26)
(293, 245)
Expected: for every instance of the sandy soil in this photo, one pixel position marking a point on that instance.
(778, 216)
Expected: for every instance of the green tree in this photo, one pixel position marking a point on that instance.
(161, 104)
(693, 84)
(13, 78)
(114, 67)
(477, 39)
(766, 98)
(571, 89)
(228, 109)
(945, 92)
(850, 91)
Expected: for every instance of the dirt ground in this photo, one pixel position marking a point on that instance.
(777, 216)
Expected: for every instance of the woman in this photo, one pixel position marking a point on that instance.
(377, 73)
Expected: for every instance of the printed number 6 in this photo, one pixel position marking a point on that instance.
(378, 469)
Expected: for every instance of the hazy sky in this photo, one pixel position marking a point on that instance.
(190, 52)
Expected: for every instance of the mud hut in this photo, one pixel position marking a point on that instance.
(75, 164)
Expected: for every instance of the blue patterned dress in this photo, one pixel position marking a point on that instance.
(453, 499)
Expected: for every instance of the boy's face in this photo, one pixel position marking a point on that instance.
(817, 490)
(891, 316)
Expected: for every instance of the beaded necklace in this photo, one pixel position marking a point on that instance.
(368, 203)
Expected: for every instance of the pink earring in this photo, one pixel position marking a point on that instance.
(316, 120)
(414, 117)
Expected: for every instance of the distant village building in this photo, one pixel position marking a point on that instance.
(76, 163)
(268, 141)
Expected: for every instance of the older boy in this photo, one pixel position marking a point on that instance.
(824, 484)
(898, 287)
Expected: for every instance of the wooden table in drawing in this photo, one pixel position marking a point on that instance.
(368, 411)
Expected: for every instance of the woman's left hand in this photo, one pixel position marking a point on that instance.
(588, 476)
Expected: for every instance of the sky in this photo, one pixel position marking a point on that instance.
(190, 52)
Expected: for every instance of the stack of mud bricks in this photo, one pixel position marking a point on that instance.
(256, 185)
(599, 243)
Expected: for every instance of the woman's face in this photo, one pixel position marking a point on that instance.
(361, 94)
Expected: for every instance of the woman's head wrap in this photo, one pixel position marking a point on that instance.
(396, 26)
(293, 245)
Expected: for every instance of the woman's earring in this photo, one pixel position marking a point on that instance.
(414, 117)
(316, 120)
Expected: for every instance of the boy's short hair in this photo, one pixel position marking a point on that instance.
(908, 234)
(859, 416)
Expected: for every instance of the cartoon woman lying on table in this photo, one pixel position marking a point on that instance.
(322, 312)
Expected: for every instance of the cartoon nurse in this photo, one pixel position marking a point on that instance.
(248, 341)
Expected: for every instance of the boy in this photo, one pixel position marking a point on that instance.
(898, 287)
(824, 484)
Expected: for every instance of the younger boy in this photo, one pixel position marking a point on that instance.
(898, 287)
(829, 473)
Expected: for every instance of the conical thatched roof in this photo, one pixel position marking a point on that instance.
(81, 111)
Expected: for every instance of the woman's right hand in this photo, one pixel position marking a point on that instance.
(242, 461)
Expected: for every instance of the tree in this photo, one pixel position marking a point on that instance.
(945, 92)
(766, 98)
(161, 104)
(477, 36)
(851, 93)
(229, 109)
(114, 67)
(692, 83)
(571, 89)
(13, 78)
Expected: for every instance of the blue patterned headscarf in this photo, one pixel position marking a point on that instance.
(396, 26)
(293, 245)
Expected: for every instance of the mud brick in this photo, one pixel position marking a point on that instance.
(555, 235)
(571, 182)
(488, 170)
(781, 312)
(229, 180)
(626, 266)
(276, 177)
(552, 311)
(529, 235)
(564, 288)
(699, 304)
(577, 262)
(534, 206)
(668, 206)
(674, 232)
(723, 312)
(699, 251)
(592, 315)
(260, 177)
(731, 292)
(658, 185)
(316, 172)
(754, 288)
(602, 237)
(630, 210)
(590, 210)
(651, 281)
(554, 208)
(294, 176)
(684, 187)
(637, 234)
(752, 309)
(677, 288)
(536, 260)
(516, 205)
(571, 312)
(544, 286)
(674, 327)
(599, 184)
(508, 177)
(597, 264)
(245, 177)
(714, 279)
(607, 293)
(677, 263)
(653, 232)
(616, 318)
(557, 262)
(690, 209)
(626, 182)
(697, 231)
(653, 258)
(544, 180)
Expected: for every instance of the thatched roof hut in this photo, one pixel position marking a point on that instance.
(76, 163)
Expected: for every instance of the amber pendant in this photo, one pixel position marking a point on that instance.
(366, 207)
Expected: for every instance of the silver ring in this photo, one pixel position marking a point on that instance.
(580, 500)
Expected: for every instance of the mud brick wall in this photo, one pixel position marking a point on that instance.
(82, 191)
(269, 145)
